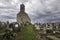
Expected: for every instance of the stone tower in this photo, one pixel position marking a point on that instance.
(22, 16)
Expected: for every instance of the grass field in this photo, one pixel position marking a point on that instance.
(27, 33)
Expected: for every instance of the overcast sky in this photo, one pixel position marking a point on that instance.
(41, 11)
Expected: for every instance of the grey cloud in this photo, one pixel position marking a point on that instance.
(42, 11)
(7, 17)
(23, 1)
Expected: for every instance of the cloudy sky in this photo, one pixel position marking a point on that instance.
(40, 11)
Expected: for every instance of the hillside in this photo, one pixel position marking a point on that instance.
(27, 33)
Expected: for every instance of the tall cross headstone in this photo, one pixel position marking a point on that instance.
(7, 24)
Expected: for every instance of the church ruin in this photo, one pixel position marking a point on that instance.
(22, 16)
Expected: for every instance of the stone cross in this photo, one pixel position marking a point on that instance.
(7, 24)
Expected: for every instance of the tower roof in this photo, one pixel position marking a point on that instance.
(22, 5)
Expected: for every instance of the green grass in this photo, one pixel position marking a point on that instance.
(27, 33)
(2, 31)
